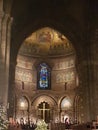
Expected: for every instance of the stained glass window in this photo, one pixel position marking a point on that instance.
(43, 76)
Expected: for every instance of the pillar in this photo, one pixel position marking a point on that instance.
(11, 91)
(5, 31)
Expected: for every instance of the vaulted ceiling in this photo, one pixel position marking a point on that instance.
(70, 18)
(46, 42)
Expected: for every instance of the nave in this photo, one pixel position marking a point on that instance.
(49, 61)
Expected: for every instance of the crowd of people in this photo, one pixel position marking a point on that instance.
(28, 125)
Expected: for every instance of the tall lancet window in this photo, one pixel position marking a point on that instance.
(43, 76)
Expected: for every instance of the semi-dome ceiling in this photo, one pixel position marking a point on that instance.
(46, 42)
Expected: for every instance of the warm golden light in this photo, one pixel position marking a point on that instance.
(65, 104)
(22, 104)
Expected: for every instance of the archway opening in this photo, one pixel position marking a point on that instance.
(51, 48)
(44, 111)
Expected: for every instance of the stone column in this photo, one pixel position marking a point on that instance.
(1, 61)
(90, 78)
(5, 31)
(1, 65)
(4, 36)
(84, 89)
(1, 6)
(7, 54)
(11, 90)
(94, 62)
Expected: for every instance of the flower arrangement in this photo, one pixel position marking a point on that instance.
(41, 125)
(3, 120)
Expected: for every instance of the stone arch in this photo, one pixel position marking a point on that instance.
(22, 110)
(66, 108)
(63, 28)
(64, 96)
(47, 99)
(43, 97)
(26, 97)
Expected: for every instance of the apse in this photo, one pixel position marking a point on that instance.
(46, 66)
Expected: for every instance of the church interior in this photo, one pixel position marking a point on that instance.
(49, 60)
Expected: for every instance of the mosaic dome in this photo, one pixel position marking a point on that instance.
(46, 42)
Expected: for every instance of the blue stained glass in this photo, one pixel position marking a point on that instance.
(43, 76)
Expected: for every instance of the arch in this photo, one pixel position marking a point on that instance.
(43, 97)
(65, 103)
(66, 108)
(22, 108)
(68, 26)
(25, 97)
(66, 29)
(61, 99)
(20, 102)
(44, 111)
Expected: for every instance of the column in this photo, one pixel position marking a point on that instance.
(7, 54)
(11, 90)
(5, 31)
(1, 59)
(94, 52)
(4, 36)
(1, 65)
